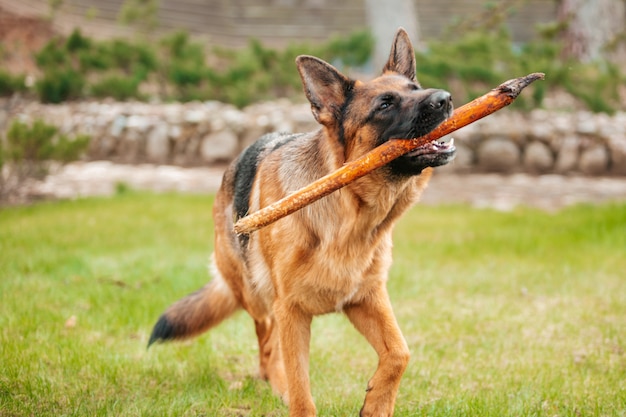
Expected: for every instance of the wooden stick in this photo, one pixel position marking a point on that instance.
(496, 99)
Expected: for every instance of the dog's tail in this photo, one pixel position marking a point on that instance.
(195, 313)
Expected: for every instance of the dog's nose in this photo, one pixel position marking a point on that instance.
(439, 99)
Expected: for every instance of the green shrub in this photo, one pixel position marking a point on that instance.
(52, 56)
(30, 143)
(29, 150)
(469, 60)
(81, 66)
(117, 87)
(477, 52)
(41, 142)
(76, 41)
(130, 58)
(472, 63)
(354, 50)
(67, 149)
(183, 66)
(482, 59)
(10, 84)
(260, 73)
(62, 78)
(60, 85)
(250, 76)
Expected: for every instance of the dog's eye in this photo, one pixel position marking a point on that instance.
(386, 102)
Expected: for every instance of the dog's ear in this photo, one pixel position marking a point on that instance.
(326, 88)
(402, 56)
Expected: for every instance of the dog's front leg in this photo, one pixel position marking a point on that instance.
(376, 321)
(294, 329)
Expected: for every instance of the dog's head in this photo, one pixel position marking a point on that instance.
(363, 115)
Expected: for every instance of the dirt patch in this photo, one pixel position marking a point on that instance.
(21, 37)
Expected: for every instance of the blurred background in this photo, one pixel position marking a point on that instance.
(508, 277)
(190, 83)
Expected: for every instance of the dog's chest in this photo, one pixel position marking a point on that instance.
(329, 255)
(324, 279)
(329, 286)
(348, 297)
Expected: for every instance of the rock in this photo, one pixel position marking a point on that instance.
(194, 116)
(119, 123)
(87, 125)
(172, 113)
(567, 157)
(561, 126)
(540, 126)
(192, 154)
(203, 128)
(617, 146)
(498, 154)
(280, 121)
(511, 125)
(251, 135)
(158, 144)
(141, 123)
(470, 135)
(594, 160)
(606, 126)
(130, 146)
(103, 148)
(586, 123)
(217, 123)
(219, 146)
(302, 118)
(186, 151)
(538, 158)
(562, 122)
(174, 132)
(235, 119)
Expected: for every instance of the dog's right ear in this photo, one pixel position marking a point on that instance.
(326, 88)
(402, 56)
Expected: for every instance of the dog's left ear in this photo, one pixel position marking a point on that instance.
(326, 88)
(402, 56)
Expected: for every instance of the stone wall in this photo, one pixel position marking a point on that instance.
(194, 134)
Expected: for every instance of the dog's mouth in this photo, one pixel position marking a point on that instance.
(431, 154)
(433, 148)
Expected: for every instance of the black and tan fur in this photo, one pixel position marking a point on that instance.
(333, 255)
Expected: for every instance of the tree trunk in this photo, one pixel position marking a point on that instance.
(384, 18)
(593, 29)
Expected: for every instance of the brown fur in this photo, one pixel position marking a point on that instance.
(333, 255)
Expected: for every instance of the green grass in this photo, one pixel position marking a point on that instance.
(506, 314)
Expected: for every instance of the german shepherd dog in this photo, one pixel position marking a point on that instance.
(333, 255)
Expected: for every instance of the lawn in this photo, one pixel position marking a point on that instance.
(506, 314)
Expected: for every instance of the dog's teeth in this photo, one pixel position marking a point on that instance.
(451, 143)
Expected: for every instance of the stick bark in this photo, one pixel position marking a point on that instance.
(496, 99)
